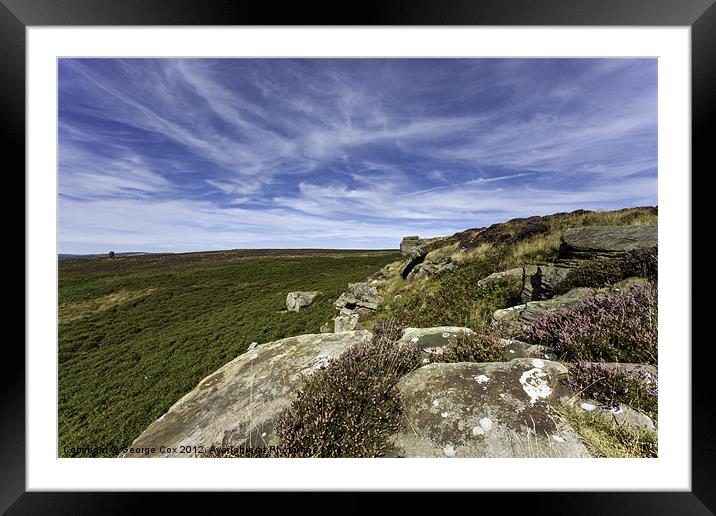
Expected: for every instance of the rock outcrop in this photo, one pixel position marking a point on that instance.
(495, 409)
(415, 257)
(593, 242)
(413, 242)
(516, 273)
(539, 281)
(297, 300)
(240, 402)
(416, 249)
(430, 267)
(355, 306)
(531, 311)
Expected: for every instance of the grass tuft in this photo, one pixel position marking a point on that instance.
(606, 439)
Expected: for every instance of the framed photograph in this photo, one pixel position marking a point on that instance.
(402, 248)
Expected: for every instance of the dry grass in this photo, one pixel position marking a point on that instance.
(79, 310)
(440, 252)
(464, 256)
(606, 439)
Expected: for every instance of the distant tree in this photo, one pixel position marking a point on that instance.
(111, 254)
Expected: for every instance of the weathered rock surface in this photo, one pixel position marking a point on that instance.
(355, 306)
(496, 409)
(531, 311)
(623, 415)
(413, 242)
(625, 284)
(592, 242)
(431, 267)
(415, 257)
(516, 273)
(519, 349)
(408, 244)
(239, 403)
(359, 295)
(297, 300)
(431, 341)
(349, 320)
(539, 281)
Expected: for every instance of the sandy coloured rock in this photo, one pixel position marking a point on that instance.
(494, 409)
(297, 300)
(239, 403)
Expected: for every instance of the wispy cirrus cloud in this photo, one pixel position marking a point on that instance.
(218, 153)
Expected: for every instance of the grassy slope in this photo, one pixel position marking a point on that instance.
(454, 298)
(135, 338)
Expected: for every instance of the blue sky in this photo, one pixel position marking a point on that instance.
(198, 154)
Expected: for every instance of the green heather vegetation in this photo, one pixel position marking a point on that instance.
(137, 333)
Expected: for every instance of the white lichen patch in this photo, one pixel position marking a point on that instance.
(320, 362)
(254, 356)
(436, 403)
(537, 363)
(534, 383)
(481, 378)
(588, 407)
(449, 451)
(478, 430)
(426, 360)
(444, 414)
(486, 423)
(414, 340)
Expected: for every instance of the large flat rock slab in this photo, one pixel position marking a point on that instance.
(592, 242)
(240, 402)
(493, 409)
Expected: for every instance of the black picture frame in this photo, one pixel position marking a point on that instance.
(16, 15)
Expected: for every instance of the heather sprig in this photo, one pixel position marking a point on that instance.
(350, 407)
(605, 327)
(611, 387)
(473, 347)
